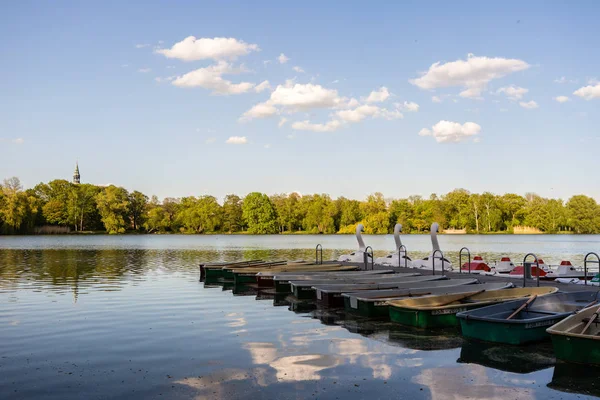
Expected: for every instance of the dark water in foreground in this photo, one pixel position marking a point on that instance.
(88, 321)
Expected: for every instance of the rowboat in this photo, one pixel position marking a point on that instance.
(373, 303)
(499, 323)
(304, 289)
(577, 338)
(226, 270)
(229, 270)
(440, 311)
(216, 268)
(331, 295)
(250, 275)
(267, 278)
(281, 280)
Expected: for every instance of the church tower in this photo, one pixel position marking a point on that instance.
(76, 177)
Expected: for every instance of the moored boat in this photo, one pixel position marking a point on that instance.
(577, 338)
(519, 270)
(440, 311)
(304, 289)
(504, 266)
(511, 323)
(373, 303)
(249, 275)
(215, 270)
(477, 265)
(566, 270)
(332, 295)
(281, 280)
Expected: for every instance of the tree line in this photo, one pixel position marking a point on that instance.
(112, 209)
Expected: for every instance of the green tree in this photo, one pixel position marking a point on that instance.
(512, 207)
(583, 214)
(232, 213)
(137, 208)
(113, 204)
(259, 214)
(15, 206)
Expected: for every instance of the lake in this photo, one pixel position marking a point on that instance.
(125, 317)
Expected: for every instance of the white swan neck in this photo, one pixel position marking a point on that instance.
(434, 240)
(361, 244)
(397, 230)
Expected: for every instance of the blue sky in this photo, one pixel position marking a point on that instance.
(104, 83)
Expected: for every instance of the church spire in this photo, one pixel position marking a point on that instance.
(76, 177)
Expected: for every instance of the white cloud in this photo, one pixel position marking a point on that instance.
(304, 96)
(291, 136)
(378, 96)
(237, 140)
(436, 99)
(564, 79)
(409, 106)
(141, 45)
(473, 74)
(170, 66)
(218, 48)
(211, 140)
(301, 97)
(282, 122)
(308, 126)
(18, 141)
(211, 78)
(282, 58)
(366, 110)
(266, 62)
(264, 85)
(451, 132)
(588, 92)
(124, 65)
(260, 110)
(336, 81)
(298, 69)
(513, 92)
(562, 99)
(529, 104)
(267, 146)
(144, 70)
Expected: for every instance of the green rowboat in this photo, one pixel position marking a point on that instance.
(374, 303)
(511, 323)
(577, 338)
(440, 311)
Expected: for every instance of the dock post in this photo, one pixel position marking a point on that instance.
(317, 249)
(527, 269)
(366, 257)
(585, 261)
(460, 259)
(405, 256)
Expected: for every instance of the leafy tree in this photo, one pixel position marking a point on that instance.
(137, 208)
(113, 205)
(15, 204)
(232, 213)
(583, 214)
(259, 214)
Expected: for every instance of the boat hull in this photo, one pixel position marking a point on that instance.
(515, 334)
(428, 318)
(370, 309)
(576, 349)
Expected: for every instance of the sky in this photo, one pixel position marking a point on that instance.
(347, 98)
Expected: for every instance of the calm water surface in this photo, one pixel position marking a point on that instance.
(104, 317)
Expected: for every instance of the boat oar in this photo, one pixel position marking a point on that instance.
(460, 298)
(518, 310)
(592, 319)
